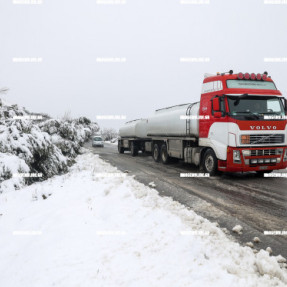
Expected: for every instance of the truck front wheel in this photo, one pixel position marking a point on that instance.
(156, 153)
(164, 154)
(210, 162)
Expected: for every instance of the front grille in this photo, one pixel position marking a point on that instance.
(267, 139)
(260, 152)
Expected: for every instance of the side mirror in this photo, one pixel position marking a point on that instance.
(216, 104)
(217, 114)
(285, 102)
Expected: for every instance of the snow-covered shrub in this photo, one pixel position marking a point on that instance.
(50, 126)
(9, 165)
(46, 146)
(68, 136)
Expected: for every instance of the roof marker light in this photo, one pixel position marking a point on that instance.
(246, 76)
(240, 76)
(258, 77)
(264, 77)
(253, 76)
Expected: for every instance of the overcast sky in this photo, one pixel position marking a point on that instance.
(151, 35)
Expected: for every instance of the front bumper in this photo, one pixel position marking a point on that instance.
(262, 155)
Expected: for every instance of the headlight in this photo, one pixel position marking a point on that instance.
(285, 155)
(245, 139)
(236, 156)
(246, 152)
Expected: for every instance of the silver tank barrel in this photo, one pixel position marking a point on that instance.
(168, 122)
(134, 129)
(165, 122)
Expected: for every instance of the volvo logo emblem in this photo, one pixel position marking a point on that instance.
(263, 127)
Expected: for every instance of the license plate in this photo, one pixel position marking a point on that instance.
(263, 167)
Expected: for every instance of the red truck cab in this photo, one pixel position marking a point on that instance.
(243, 120)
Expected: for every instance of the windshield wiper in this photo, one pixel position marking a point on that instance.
(270, 113)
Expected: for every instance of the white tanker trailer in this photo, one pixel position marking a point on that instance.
(168, 133)
(134, 129)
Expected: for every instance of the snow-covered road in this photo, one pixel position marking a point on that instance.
(258, 204)
(97, 227)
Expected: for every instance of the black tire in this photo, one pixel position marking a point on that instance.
(120, 148)
(156, 153)
(165, 159)
(134, 149)
(210, 162)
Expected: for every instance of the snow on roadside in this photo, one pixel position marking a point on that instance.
(113, 142)
(95, 226)
(46, 146)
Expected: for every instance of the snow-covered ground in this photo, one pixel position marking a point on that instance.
(95, 226)
(113, 142)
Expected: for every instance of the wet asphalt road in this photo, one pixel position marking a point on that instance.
(257, 204)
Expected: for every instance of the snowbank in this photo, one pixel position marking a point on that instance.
(42, 145)
(95, 226)
(113, 141)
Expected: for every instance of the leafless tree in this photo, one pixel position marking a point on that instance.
(109, 134)
(67, 117)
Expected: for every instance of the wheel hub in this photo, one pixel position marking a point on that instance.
(209, 163)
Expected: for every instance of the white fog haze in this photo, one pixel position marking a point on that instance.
(151, 36)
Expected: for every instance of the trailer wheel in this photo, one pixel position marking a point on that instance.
(164, 154)
(156, 153)
(134, 149)
(210, 162)
(120, 148)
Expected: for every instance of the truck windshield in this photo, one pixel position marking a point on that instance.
(245, 84)
(247, 107)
